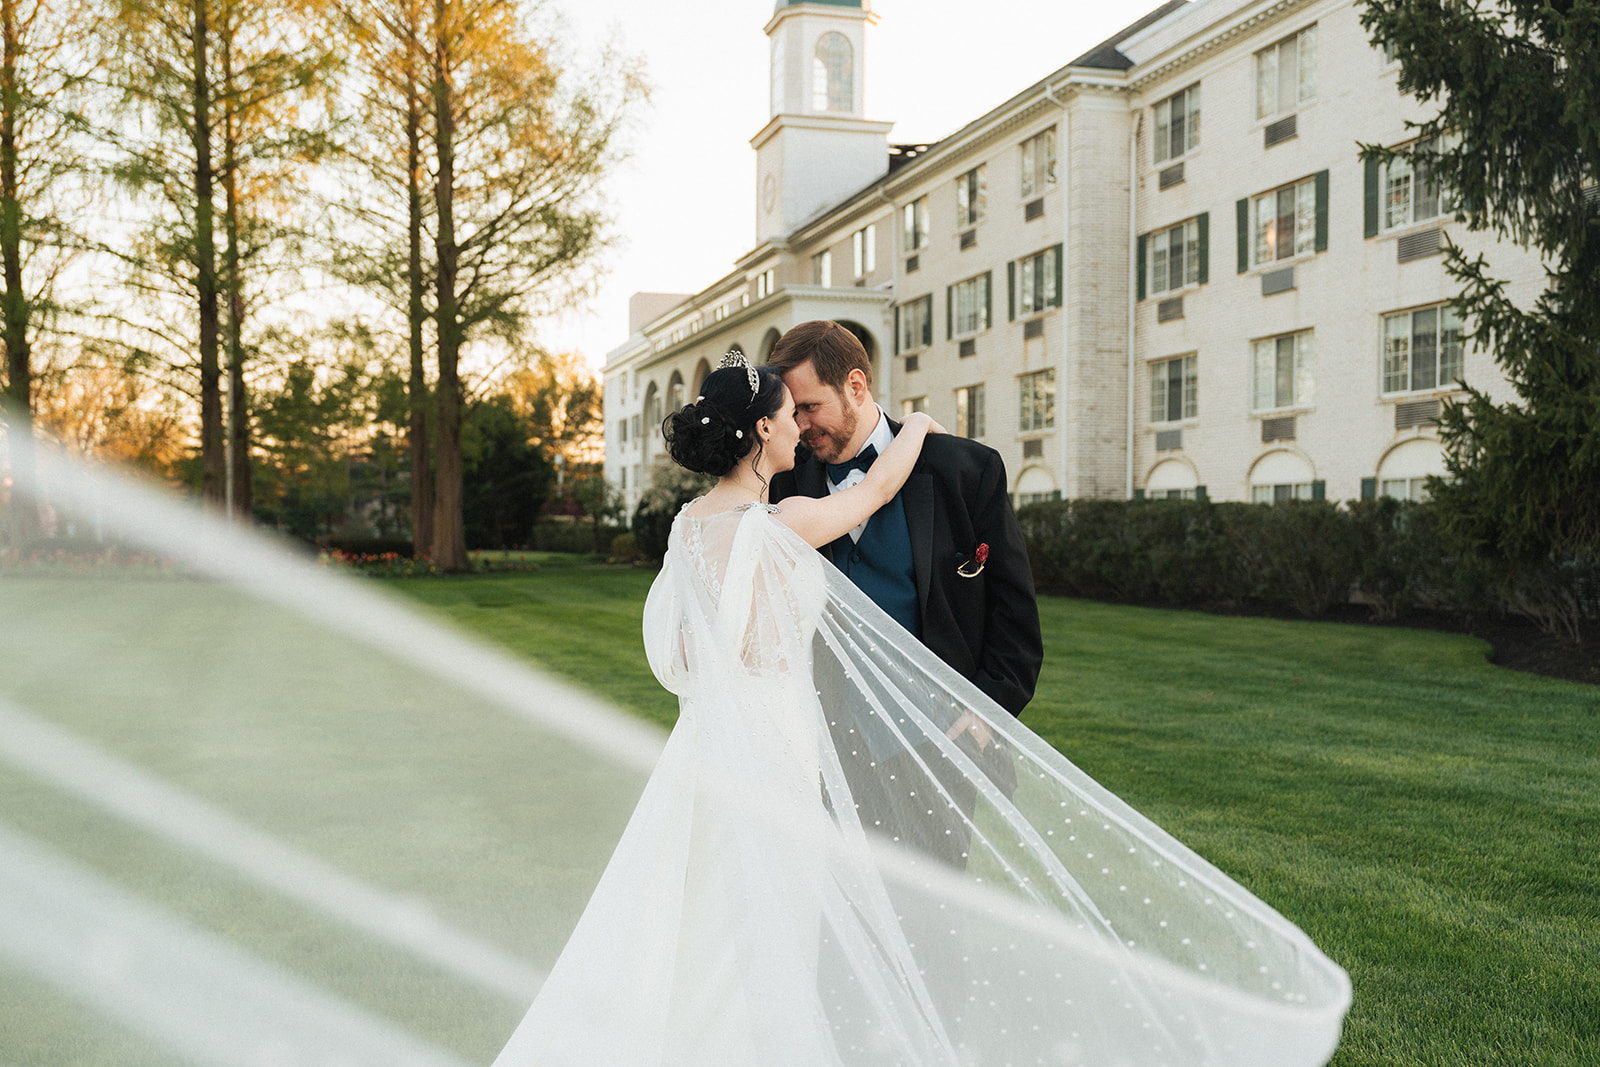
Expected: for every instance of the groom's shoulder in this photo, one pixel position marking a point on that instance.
(948, 451)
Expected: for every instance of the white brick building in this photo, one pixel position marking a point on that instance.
(1260, 318)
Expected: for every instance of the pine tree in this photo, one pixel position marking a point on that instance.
(1517, 86)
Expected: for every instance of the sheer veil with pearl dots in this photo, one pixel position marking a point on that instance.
(257, 813)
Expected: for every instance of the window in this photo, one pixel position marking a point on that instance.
(1422, 349)
(1037, 402)
(1038, 163)
(624, 479)
(778, 75)
(970, 198)
(764, 283)
(833, 74)
(1177, 122)
(914, 324)
(1174, 389)
(1413, 193)
(622, 431)
(635, 421)
(864, 250)
(1276, 494)
(969, 305)
(1175, 257)
(1283, 371)
(1038, 282)
(1286, 73)
(969, 411)
(1285, 222)
(915, 230)
(822, 268)
(1404, 488)
(914, 403)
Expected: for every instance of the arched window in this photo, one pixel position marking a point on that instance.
(675, 392)
(833, 74)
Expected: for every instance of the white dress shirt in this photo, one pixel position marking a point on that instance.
(880, 439)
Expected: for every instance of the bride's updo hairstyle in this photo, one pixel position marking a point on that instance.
(711, 435)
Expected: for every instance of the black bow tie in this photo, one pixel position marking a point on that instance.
(837, 471)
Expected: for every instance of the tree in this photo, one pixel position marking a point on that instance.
(388, 55)
(505, 477)
(43, 69)
(518, 152)
(219, 87)
(1517, 84)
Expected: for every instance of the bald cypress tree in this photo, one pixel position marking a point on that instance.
(1517, 85)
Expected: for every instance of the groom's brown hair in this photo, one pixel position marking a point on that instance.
(831, 348)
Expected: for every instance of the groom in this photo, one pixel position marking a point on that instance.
(944, 558)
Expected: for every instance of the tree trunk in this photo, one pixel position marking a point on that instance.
(416, 311)
(449, 536)
(240, 502)
(212, 469)
(18, 418)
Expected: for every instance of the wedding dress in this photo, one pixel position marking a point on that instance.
(817, 875)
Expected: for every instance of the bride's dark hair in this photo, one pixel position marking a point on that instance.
(711, 435)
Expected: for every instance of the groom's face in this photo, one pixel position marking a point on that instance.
(829, 418)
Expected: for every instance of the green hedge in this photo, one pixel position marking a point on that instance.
(582, 537)
(1303, 557)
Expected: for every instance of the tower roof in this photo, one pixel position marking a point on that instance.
(827, 3)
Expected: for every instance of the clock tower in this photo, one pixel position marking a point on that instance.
(817, 148)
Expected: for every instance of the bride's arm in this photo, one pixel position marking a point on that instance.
(821, 520)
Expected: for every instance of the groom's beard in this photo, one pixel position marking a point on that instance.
(830, 446)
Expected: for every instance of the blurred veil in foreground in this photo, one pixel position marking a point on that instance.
(252, 813)
(255, 813)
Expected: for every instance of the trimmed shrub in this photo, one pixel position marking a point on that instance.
(564, 536)
(367, 546)
(624, 546)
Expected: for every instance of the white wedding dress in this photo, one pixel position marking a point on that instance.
(817, 875)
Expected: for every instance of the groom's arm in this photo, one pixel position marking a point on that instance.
(1013, 648)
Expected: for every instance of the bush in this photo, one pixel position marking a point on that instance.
(563, 536)
(367, 546)
(671, 487)
(624, 546)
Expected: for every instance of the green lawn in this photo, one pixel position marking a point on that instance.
(1431, 820)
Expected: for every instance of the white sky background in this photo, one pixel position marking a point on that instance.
(685, 202)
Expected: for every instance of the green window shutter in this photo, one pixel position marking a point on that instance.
(927, 320)
(1322, 211)
(949, 312)
(1203, 224)
(1369, 489)
(897, 329)
(1138, 265)
(1243, 208)
(1011, 290)
(1372, 198)
(1059, 252)
(988, 299)
(1319, 490)
(1200, 494)
(1138, 494)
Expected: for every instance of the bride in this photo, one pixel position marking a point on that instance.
(766, 907)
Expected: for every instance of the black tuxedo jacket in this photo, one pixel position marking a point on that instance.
(986, 627)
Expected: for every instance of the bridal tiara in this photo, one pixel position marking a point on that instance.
(736, 358)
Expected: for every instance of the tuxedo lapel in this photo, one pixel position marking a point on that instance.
(917, 496)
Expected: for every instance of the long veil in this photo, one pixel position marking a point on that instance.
(253, 813)
(825, 876)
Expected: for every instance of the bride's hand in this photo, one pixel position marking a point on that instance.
(932, 426)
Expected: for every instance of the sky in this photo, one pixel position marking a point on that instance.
(684, 202)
